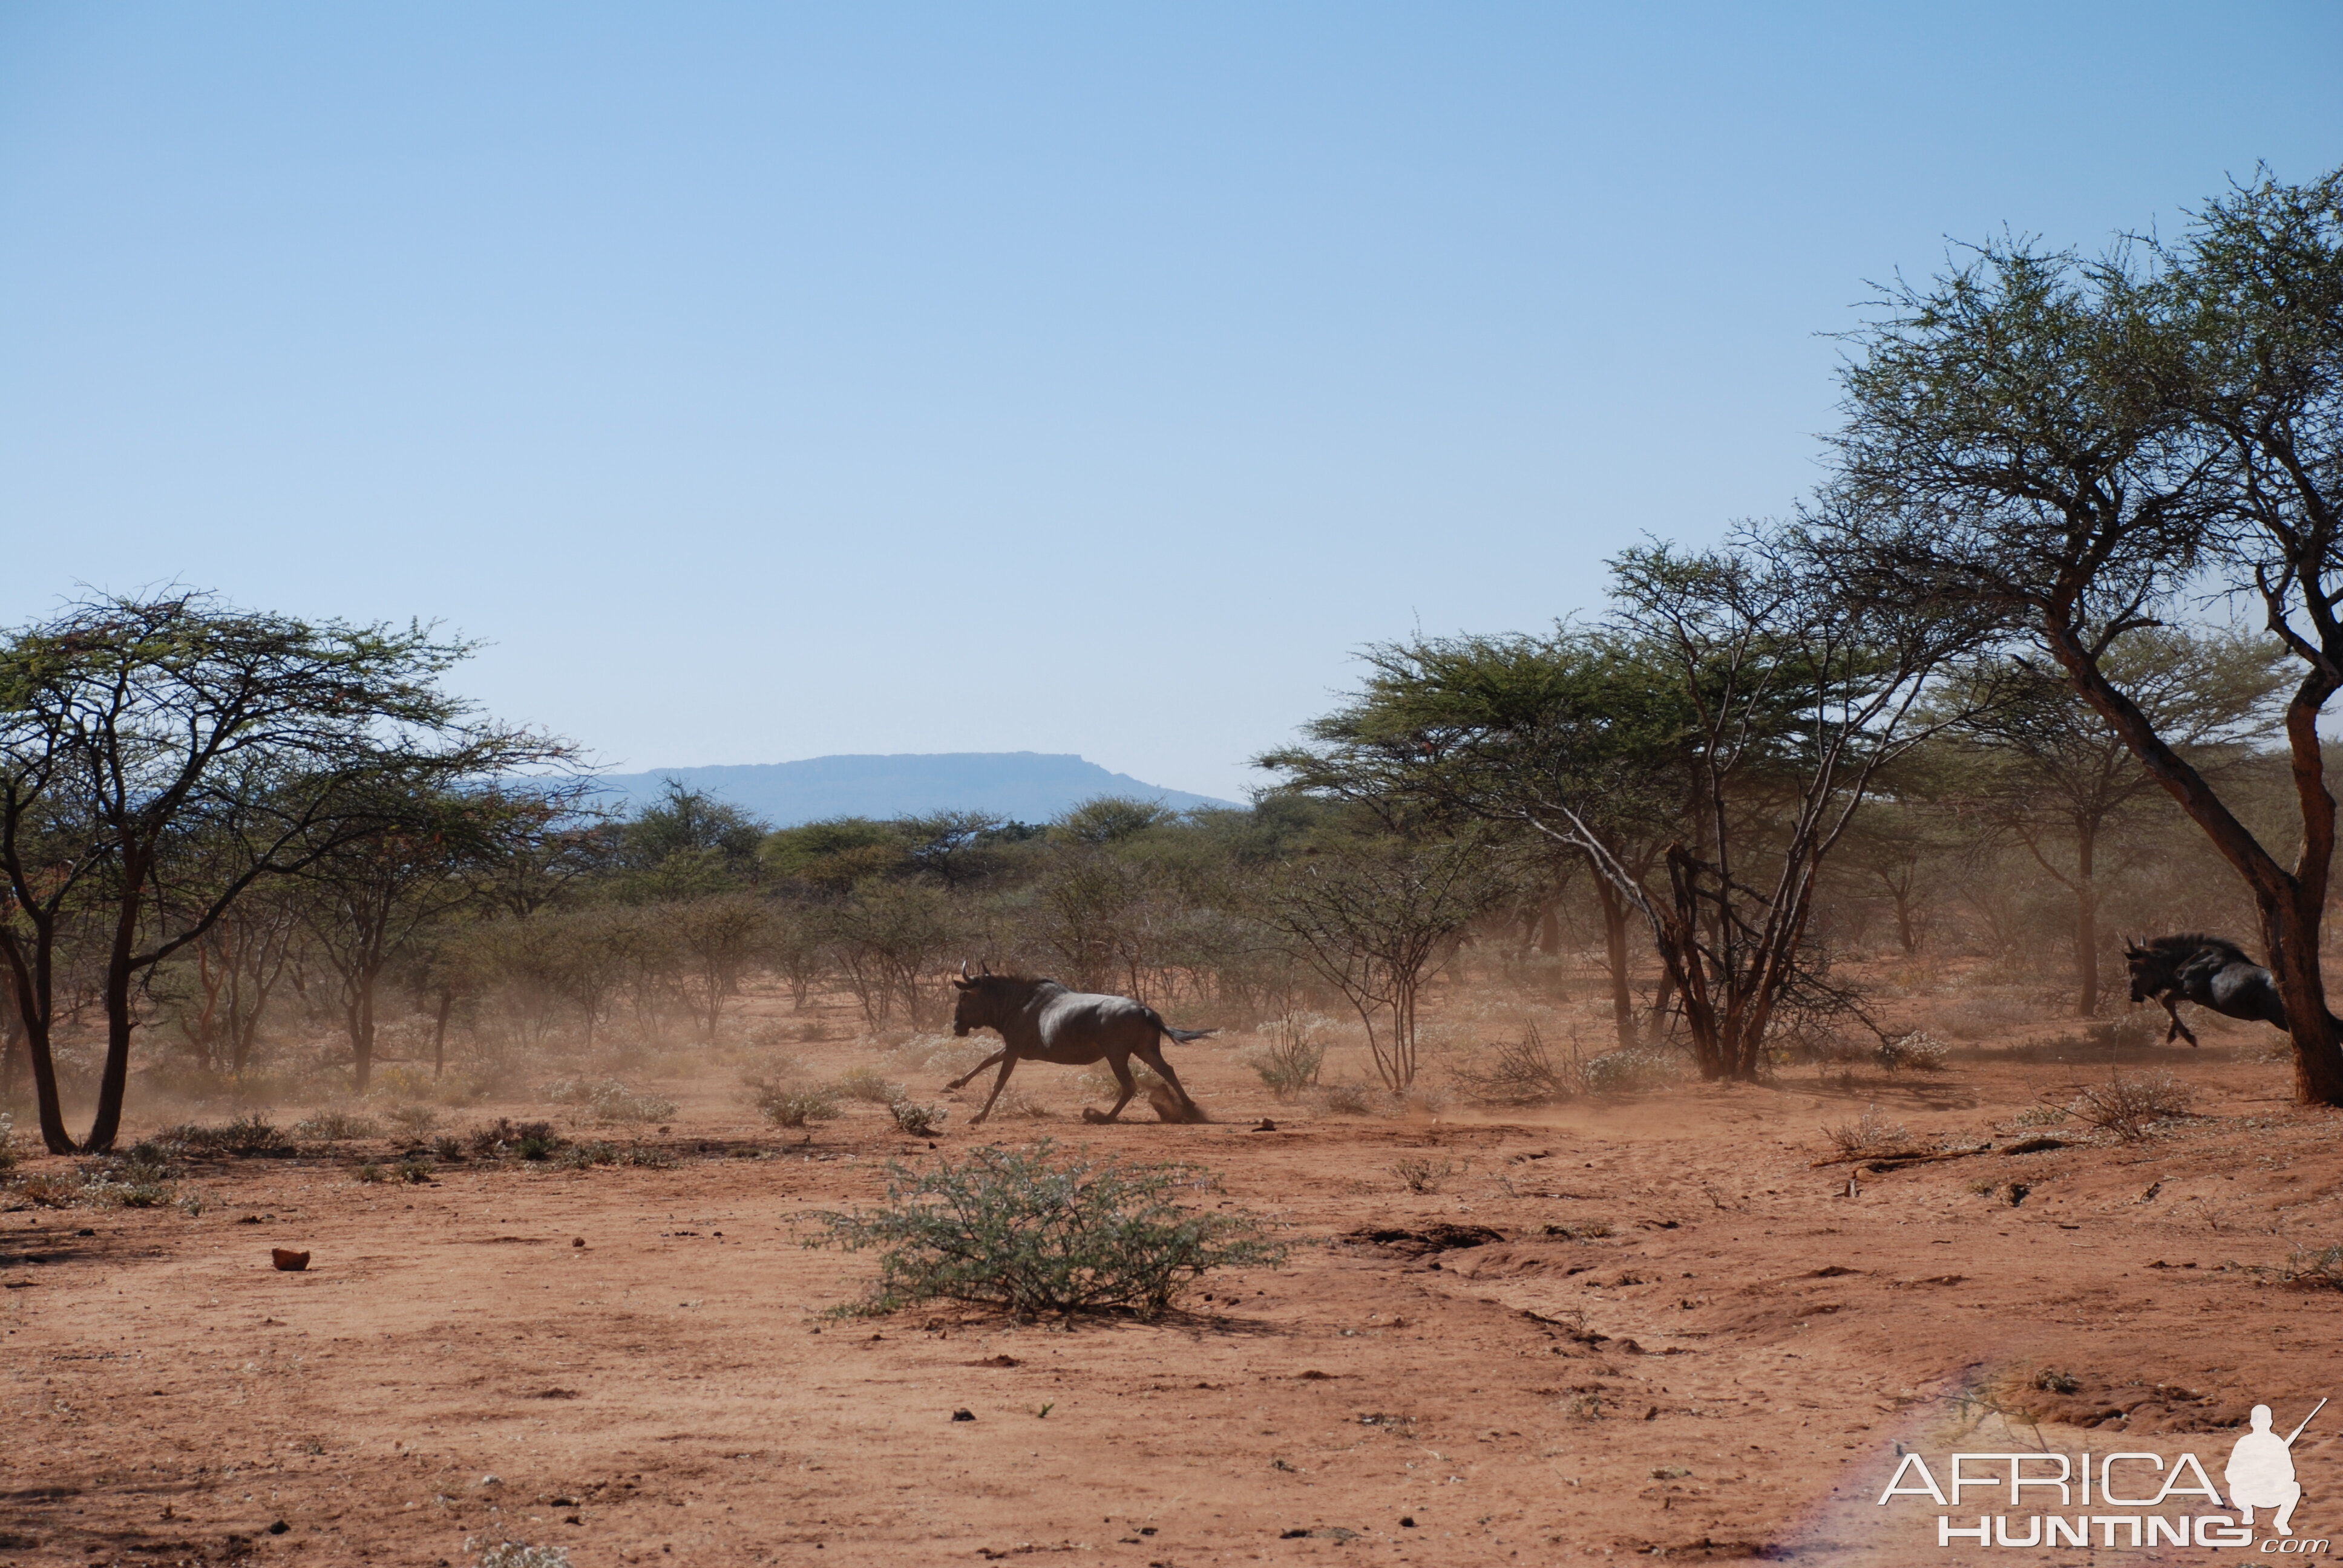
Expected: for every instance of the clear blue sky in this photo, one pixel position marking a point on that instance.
(764, 381)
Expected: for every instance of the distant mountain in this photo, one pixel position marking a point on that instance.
(1026, 786)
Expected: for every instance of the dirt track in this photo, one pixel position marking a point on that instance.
(1724, 1373)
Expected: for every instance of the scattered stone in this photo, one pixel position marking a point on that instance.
(287, 1259)
(278, 1528)
(1264, 1125)
(963, 1415)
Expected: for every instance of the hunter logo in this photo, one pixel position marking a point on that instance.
(2128, 1499)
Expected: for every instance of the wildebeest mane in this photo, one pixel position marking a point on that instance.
(2181, 943)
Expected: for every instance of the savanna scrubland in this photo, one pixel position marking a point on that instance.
(1667, 1063)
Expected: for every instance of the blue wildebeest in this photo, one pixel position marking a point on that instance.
(1042, 1020)
(2211, 972)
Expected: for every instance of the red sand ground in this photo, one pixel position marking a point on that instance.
(1724, 1373)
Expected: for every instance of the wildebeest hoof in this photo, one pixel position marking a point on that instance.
(1093, 1114)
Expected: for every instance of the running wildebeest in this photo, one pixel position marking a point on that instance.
(1042, 1019)
(2210, 971)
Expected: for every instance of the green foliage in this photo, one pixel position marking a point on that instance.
(1110, 820)
(791, 1103)
(246, 1136)
(1288, 1060)
(917, 1121)
(836, 854)
(1035, 1232)
(868, 1085)
(609, 1100)
(335, 1127)
(688, 838)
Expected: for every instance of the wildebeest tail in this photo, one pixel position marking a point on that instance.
(1183, 1036)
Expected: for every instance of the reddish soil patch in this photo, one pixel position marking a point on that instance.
(1686, 1339)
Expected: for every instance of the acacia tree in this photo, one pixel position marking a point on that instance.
(369, 900)
(1738, 710)
(176, 732)
(2056, 777)
(2078, 447)
(1500, 728)
(1376, 921)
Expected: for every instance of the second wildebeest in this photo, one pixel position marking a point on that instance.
(1042, 1020)
(2211, 972)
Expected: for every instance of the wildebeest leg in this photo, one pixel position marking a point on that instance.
(2177, 1028)
(963, 1079)
(1153, 1056)
(999, 1084)
(1122, 1067)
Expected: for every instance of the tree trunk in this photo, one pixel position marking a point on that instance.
(2291, 904)
(1614, 954)
(439, 1031)
(1549, 925)
(2086, 923)
(2292, 932)
(29, 981)
(360, 1015)
(113, 1078)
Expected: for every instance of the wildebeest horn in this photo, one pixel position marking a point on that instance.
(988, 966)
(963, 970)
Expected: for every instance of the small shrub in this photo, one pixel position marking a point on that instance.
(1918, 1051)
(447, 1149)
(609, 1100)
(247, 1135)
(537, 1140)
(1422, 1175)
(127, 1183)
(868, 1085)
(1584, 1230)
(1521, 1072)
(2308, 1268)
(1631, 1068)
(415, 1121)
(414, 1172)
(1872, 1134)
(2051, 1381)
(918, 1121)
(1019, 1104)
(795, 1104)
(7, 1144)
(1035, 1232)
(943, 1054)
(335, 1127)
(371, 1173)
(581, 1156)
(2039, 1116)
(1289, 1060)
(46, 1191)
(649, 1158)
(1353, 1097)
(517, 1554)
(2132, 1108)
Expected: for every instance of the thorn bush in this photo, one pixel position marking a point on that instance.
(1037, 1232)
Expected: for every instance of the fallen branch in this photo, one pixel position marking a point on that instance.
(1896, 1158)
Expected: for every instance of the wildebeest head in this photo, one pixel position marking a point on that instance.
(978, 1005)
(2151, 970)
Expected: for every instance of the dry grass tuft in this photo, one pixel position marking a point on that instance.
(2133, 1107)
(1873, 1133)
